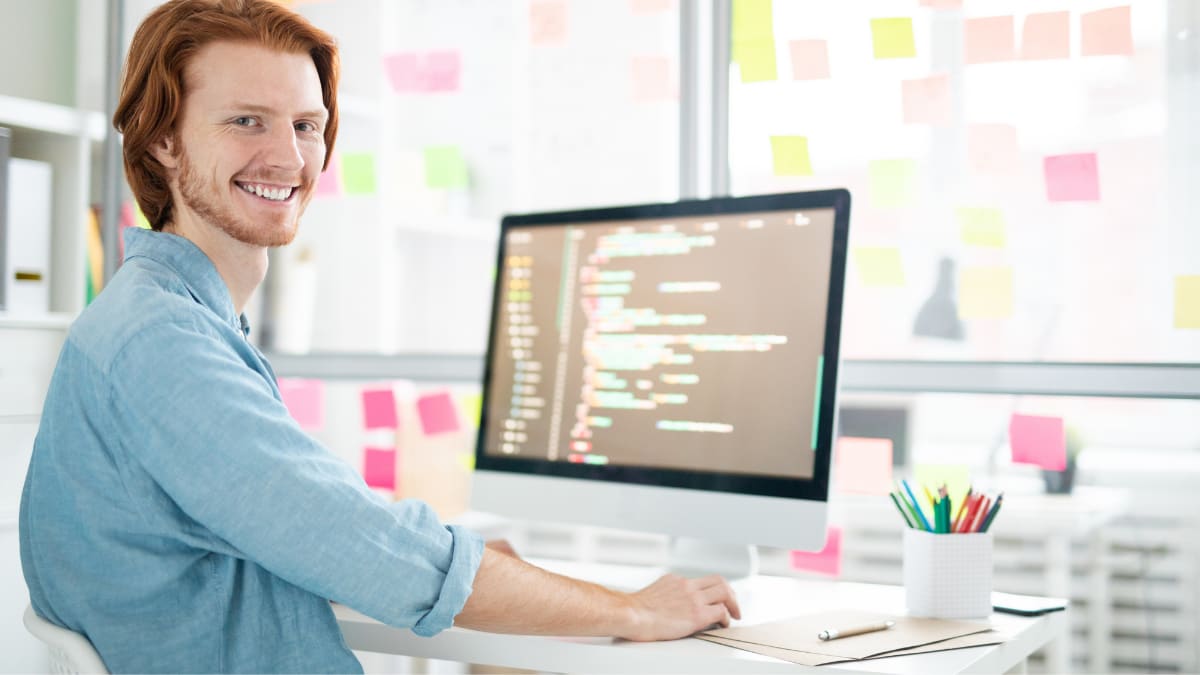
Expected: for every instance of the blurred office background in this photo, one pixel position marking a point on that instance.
(1024, 248)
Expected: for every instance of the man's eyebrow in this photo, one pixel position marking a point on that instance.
(267, 110)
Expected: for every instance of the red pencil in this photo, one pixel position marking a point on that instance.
(979, 513)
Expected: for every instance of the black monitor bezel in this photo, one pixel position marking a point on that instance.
(813, 489)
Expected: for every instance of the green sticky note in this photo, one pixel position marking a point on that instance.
(472, 406)
(879, 265)
(1187, 301)
(981, 226)
(956, 477)
(790, 155)
(893, 183)
(358, 173)
(445, 167)
(893, 38)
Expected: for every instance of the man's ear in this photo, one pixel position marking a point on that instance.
(164, 151)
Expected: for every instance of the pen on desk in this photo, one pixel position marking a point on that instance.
(856, 630)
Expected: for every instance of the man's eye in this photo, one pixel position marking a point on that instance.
(306, 126)
(245, 121)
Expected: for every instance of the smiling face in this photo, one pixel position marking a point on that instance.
(250, 146)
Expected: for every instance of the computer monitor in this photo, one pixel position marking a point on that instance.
(670, 368)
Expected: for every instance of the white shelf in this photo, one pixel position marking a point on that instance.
(50, 118)
(55, 320)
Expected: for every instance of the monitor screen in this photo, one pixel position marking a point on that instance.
(689, 345)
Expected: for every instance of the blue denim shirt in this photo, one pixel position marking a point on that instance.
(177, 516)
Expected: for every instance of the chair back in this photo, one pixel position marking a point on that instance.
(70, 652)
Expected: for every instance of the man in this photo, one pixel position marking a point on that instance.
(173, 512)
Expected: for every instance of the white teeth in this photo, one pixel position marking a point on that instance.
(274, 194)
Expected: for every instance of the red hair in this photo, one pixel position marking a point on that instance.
(152, 88)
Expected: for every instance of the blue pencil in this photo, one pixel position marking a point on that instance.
(917, 504)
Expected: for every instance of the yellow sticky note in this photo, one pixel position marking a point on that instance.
(1187, 302)
(956, 478)
(985, 293)
(981, 226)
(358, 173)
(893, 182)
(893, 38)
(752, 20)
(790, 155)
(445, 167)
(472, 405)
(754, 40)
(879, 265)
(756, 61)
(467, 461)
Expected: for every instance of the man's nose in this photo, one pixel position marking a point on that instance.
(283, 150)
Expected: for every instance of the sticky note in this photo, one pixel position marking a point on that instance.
(379, 409)
(810, 59)
(404, 71)
(892, 38)
(548, 22)
(956, 478)
(379, 467)
(650, 6)
(1046, 35)
(927, 100)
(414, 72)
(892, 183)
(754, 40)
(864, 465)
(358, 173)
(329, 184)
(981, 226)
(826, 561)
(1187, 301)
(1106, 32)
(442, 70)
(437, 413)
(467, 461)
(879, 266)
(985, 293)
(789, 155)
(445, 167)
(756, 61)
(1072, 178)
(993, 149)
(989, 39)
(1037, 440)
(305, 400)
(472, 407)
(652, 78)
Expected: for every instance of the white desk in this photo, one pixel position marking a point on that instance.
(762, 599)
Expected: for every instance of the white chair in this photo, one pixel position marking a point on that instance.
(70, 652)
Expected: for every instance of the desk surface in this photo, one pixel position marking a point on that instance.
(762, 599)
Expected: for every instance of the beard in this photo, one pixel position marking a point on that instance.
(205, 200)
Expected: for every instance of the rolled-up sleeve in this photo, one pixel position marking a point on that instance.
(209, 430)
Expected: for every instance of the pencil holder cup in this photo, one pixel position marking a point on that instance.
(948, 576)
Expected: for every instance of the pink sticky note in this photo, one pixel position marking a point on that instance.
(1072, 178)
(379, 409)
(1106, 32)
(810, 59)
(547, 22)
(330, 182)
(1038, 440)
(442, 70)
(993, 149)
(437, 413)
(927, 101)
(1046, 36)
(651, 77)
(379, 467)
(864, 465)
(990, 39)
(650, 6)
(305, 400)
(826, 561)
(404, 71)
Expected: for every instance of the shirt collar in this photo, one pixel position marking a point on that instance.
(193, 267)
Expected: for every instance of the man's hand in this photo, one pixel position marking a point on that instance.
(502, 546)
(675, 607)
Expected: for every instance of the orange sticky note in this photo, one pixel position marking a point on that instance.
(1072, 178)
(990, 39)
(379, 409)
(305, 400)
(927, 100)
(892, 183)
(1041, 441)
(827, 561)
(985, 293)
(892, 38)
(1046, 36)
(789, 156)
(810, 59)
(330, 182)
(652, 78)
(879, 266)
(1187, 301)
(992, 148)
(548, 22)
(379, 467)
(864, 465)
(1106, 32)
(438, 414)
